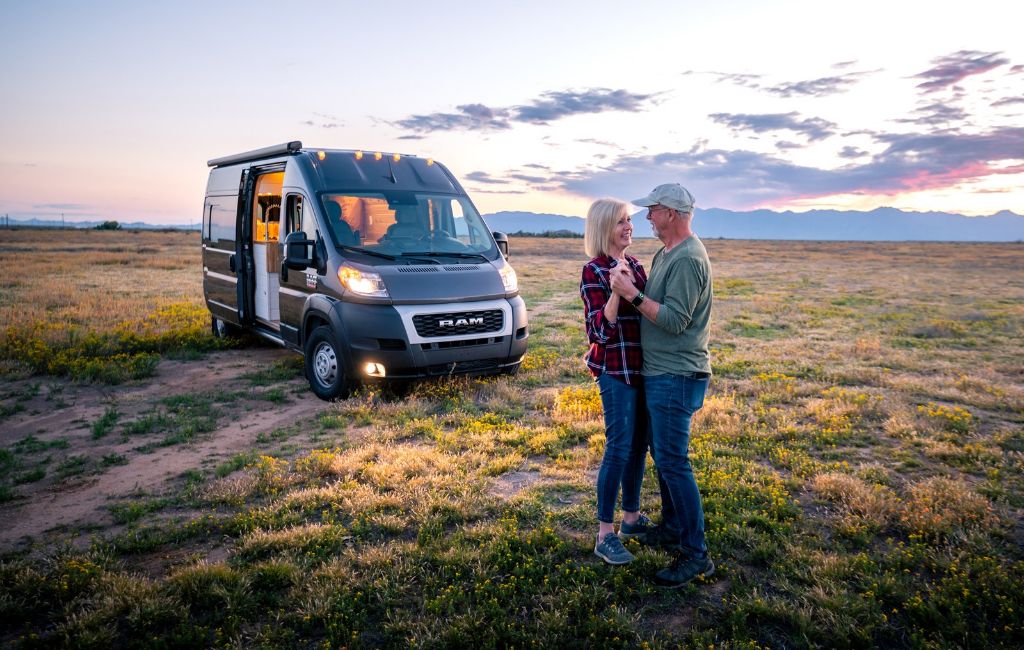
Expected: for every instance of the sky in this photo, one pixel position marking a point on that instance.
(110, 110)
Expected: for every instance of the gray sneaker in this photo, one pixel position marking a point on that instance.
(611, 550)
(683, 569)
(637, 530)
(661, 537)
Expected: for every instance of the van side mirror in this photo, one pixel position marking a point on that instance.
(298, 251)
(501, 239)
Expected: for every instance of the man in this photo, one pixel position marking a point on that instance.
(676, 309)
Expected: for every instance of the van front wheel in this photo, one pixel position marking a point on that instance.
(222, 329)
(325, 369)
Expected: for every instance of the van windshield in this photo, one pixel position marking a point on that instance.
(400, 223)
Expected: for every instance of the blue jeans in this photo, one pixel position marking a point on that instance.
(671, 402)
(625, 447)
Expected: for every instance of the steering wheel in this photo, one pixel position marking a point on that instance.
(443, 238)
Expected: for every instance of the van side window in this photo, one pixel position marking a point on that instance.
(293, 215)
(462, 231)
(222, 216)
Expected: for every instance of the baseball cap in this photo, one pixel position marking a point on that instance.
(670, 195)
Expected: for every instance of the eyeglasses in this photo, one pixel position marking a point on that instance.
(654, 208)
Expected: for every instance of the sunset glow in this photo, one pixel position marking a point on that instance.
(112, 110)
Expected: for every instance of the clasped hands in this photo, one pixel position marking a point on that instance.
(621, 278)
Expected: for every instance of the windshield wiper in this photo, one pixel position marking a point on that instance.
(357, 249)
(461, 256)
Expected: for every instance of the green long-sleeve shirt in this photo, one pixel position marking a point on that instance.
(680, 281)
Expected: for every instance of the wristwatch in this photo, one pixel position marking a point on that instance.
(637, 299)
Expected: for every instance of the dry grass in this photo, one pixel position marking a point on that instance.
(860, 455)
(95, 280)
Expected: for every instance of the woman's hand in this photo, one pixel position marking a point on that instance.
(621, 278)
(624, 265)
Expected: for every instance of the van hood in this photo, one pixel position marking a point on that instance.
(428, 283)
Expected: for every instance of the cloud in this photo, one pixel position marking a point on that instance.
(953, 68)
(741, 179)
(550, 106)
(814, 128)
(935, 114)
(476, 191)
(412, 137)
(1017, 69)
(556, 105)
(484, 177)
(529, 178)
(1008, 101)
(470, 117)
(738, 79)
(331, 121)
(820, 87)
(851, 152)
(601, 143)
(844, 64)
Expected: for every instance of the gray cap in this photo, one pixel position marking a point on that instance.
(670, 195)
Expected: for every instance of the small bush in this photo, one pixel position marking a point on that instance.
(940, 508)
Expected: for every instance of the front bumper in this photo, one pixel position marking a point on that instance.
(385, 335)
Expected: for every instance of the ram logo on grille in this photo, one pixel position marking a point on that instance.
(460, 322)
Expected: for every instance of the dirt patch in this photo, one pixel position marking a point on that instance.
(509, 485)
(90, 458)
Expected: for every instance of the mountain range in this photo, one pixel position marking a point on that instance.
(882, 224)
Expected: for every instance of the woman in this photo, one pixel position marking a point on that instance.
(614, 359)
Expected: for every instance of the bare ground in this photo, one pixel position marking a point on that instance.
(85, 473)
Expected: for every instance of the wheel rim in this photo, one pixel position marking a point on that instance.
(325, 365)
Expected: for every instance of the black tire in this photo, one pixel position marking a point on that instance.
(222, 329)
(325, 366)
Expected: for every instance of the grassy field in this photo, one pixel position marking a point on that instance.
(860, 455)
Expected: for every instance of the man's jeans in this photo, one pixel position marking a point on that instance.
(625, 447)
(671, 402)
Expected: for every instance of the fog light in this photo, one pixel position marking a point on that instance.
(374, 369)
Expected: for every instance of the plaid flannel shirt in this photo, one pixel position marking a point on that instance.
(614, 347)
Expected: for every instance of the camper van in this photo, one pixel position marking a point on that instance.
(375, 266)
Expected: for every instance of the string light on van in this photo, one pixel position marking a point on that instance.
(321, 155)
(359, 155)
(378, 156)
(430, 162)
(396, 157)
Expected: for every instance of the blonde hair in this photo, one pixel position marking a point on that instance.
(601, 219)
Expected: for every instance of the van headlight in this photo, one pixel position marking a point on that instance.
(508, 277)
(363, 283)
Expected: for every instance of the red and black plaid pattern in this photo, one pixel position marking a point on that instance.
(614, 347)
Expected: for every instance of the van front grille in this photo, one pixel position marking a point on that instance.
(456, 323)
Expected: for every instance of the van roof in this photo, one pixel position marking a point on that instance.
(285, 148)
(257, 154)
(366, 170)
